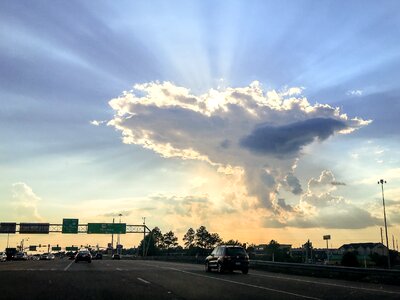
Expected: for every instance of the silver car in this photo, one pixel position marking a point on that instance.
(3, 256)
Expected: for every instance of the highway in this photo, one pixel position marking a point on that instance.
(139, 279)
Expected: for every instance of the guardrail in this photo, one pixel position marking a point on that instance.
(339, 272)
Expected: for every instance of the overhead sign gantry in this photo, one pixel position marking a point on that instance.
(72, 226)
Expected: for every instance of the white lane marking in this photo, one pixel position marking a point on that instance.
(245, 284)
(327, 283)
(118, 269)
(142, 280)
(67, 267)
(323, 283)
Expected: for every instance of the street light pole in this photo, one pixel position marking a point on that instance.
(144, 235)
(381, 182)
(118, 242)
(112, 241)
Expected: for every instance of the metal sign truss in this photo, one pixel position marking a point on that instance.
(83, 228)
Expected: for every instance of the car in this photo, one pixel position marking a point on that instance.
(116, 256)
(227, 258)
(71, 254)
(47, 256)
(36, 257)
(20, 256)
(3, 256)
(83, 255)
(98, 255)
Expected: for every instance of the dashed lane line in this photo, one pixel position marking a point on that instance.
(142, 280)
(67, 267)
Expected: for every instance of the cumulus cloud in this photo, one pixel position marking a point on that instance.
(320, 207)
(25, 202)
(255, 134)
(293, 184)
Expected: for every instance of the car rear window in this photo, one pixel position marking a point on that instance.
(235, 251)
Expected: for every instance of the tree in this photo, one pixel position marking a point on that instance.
(349, 259)
(233, 242)
(212, 240)
(273, 246)
(151, 248)
(201, 237)
(158, 237)
(170, 240)
(189, 238)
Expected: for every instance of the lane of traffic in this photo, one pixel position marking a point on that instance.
(311, 287)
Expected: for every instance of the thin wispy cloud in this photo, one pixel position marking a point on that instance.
(356, 93)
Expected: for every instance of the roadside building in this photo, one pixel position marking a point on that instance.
(365, 249)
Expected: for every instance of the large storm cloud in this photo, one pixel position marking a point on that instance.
(259, 134)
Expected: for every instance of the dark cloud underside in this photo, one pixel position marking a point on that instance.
(289, 139)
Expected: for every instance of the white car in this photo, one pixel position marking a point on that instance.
(3, 256)
(47, 256)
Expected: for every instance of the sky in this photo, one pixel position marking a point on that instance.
(259, 119)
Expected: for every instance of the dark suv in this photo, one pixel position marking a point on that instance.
(83, 255)
(227, 257)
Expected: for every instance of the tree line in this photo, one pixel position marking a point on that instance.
(199, 241)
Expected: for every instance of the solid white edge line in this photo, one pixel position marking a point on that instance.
(67, 267)
(327, 283)
(142, 280)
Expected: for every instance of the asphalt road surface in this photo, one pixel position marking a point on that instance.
(135, 279)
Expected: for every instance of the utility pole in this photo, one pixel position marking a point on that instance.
(393, 241)
(144, 236)
(118, 242)
(381, 182)
(112, 241)
(381, 236)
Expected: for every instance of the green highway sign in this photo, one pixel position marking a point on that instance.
(34, 228)
(8, 227)
(106, 228)
(55, 248)
(73, 248)
(70, 226)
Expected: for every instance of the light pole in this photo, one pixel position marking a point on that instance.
(112, 240)
(144, 235)
(22, 244)
(381, 182)
(118, 241)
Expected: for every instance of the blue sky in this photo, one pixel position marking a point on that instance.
(62, 62)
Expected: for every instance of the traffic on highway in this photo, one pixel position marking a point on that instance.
(133, 278)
